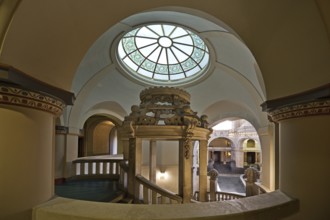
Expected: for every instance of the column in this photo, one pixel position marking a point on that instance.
(134, 167)
(71, 151)
(60, 143)
(152, 160)
(203, 170)
(304, 125)
(27, 149)
(185, 164)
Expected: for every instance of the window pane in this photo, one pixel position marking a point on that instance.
(163, 52)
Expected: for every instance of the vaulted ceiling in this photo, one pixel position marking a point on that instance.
(259, 50)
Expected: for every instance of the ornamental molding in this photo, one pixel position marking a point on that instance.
(313, 108)
(11, 95)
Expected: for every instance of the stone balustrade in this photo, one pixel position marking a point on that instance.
(98, 166)
(273, 205)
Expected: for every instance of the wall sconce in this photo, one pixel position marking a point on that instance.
(162, 174)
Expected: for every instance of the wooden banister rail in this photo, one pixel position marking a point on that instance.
(153, 194)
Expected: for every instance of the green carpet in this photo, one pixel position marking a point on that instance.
(99, 190)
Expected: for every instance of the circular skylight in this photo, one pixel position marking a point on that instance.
(163, 53)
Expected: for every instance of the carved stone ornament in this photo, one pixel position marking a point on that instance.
(321, 107)
(11, 95)
(164, 106)
(213, 174)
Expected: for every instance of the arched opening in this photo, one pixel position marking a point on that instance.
(235, 146)
(100, 137)
(251, 149)
(221, 151)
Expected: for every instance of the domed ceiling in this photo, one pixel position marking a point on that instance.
(232, 74)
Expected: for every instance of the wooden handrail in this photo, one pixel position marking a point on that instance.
(156, 189)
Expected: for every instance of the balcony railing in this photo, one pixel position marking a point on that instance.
(90, 167)
(219, 196)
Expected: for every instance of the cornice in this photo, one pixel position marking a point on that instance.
(309, 103)
(13, 95)
(11, 75)
(321, 107)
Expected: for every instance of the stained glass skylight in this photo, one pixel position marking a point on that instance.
(163, 53)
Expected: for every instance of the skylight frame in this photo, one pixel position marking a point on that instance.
(181, 58)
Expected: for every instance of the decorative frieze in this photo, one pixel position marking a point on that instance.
(309, 103)
(321, 107)
(13, 95)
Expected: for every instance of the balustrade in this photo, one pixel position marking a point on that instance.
(219, 196)
(153, 194)
(96, 167)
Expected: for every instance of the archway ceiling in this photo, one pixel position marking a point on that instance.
(48, 40)
(232, 75)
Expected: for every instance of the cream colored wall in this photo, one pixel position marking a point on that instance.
(267, 176)
(26, 160)
(167, 159)
(170, 182)
(167, 152)
(101, 135)
(304, 164)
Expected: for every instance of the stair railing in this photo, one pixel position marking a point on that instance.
(153, 194)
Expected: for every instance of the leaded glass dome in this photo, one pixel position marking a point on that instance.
(163, 54)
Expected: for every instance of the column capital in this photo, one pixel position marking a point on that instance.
(308, 103)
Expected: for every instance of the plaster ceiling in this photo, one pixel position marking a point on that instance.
(256, 46)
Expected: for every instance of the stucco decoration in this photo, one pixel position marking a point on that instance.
(13, 95)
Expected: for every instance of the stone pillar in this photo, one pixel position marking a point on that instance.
(152, 161)
(134, 167)
(185, 164)
(71, 151)
(60, 144)
(27, 149)
(203, 170)
(304, 125)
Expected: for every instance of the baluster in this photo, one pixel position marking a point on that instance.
(154, 197)
(97, 163)
(82, 168)
(117, 168)
(163, 199)
(105, 164)
(111, 168)
(90, 168)
(137, 192)
(145, 195)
